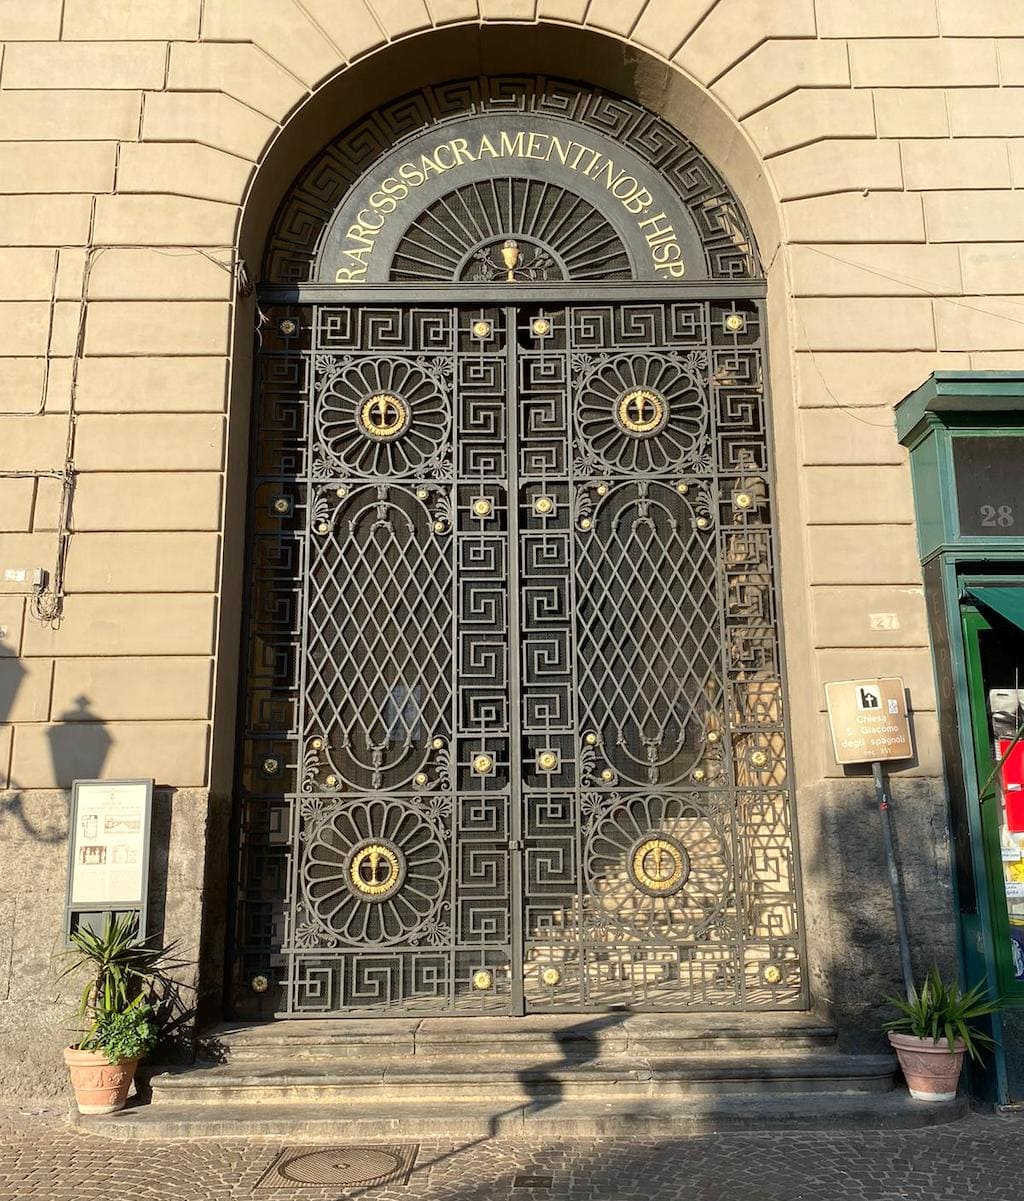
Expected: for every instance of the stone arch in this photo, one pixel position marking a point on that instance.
(437, 56)
(433, 57)
(427, 56)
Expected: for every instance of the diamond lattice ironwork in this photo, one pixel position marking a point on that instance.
(378, 651)
(649, 667)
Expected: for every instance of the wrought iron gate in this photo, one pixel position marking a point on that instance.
(518, 563)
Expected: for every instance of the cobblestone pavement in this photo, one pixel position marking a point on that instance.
(979, 1157)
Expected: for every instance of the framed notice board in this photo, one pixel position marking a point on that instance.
(108, 852)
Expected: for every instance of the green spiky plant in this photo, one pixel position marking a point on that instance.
(116, 997)
(940, 1011)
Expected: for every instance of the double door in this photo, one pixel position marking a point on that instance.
(539, 735)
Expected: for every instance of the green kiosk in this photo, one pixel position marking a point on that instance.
(965, 433)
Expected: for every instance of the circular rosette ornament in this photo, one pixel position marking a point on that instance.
(375, 871)
(382, 416)
(659, 867)
(645, 413)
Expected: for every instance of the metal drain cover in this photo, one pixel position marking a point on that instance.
(344, 1167)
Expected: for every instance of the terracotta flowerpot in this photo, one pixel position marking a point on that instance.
(932, 1069)
(100, 1086)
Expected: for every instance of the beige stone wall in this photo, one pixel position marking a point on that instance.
(884, 142)
(893, 140)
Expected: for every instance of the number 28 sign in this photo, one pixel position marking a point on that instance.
(989, 485)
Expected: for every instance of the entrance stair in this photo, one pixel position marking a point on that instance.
(551, 1076)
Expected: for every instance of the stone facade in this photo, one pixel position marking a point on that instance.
(879, 151)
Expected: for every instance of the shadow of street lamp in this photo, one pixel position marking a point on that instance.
(12, 673)
(79, 744)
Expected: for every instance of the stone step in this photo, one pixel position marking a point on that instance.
(583, 1034)
(534, 1120)
(394, 1083)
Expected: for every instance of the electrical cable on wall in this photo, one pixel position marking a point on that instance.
(47, 597)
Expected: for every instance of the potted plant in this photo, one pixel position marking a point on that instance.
(115, 1001)
(934, 1031)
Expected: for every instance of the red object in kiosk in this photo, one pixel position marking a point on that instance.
(1012, 772)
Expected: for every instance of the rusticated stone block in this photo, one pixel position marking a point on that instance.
(73, 64)
(149, 327)
(176, 500)
(842, 555)
(44, 220)
(142, 562)
(237, 69)
(883, 494)
(283, 30)
(923, 62)
(132, 689)
(864, 323)
(864, 378)
(71, 115)
(130, 20)
(122, 625)
(896, 270)
(39, 20)
(856, 436)
(810, 114)
(868, 616)
(933, 164)
(775, 67)
(51, 756)
(911, 113)
(150, 442)
(151, 384)
(164, 221)
(993, 268)
(182, 168)
(876, 19)
(981, 18)
(45, 167)
(734, 26)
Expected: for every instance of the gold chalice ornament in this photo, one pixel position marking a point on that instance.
(375, 870)
(383, 416)
(658, 865)
(510, 256)
(641, 412)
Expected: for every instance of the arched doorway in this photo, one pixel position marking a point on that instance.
(513, 732)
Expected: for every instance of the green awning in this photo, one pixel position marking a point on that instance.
(1008, 601)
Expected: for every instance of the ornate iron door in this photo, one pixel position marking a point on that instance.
(404, 880)
(539, 742)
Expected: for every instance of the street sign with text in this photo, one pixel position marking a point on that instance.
(868, 719)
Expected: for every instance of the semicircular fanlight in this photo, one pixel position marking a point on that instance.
(558, 236)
